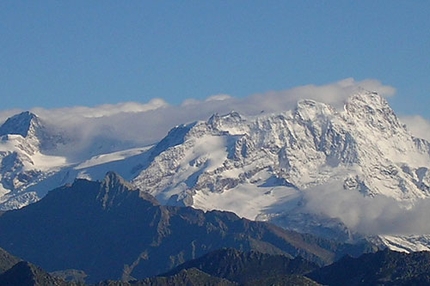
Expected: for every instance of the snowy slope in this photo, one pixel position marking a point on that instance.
(403, 243)
(364, 147)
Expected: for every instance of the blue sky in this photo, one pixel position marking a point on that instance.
(87, 53)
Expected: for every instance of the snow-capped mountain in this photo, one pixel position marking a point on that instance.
(275, 167)
(363, 148)
(24, 139)
(36, 157)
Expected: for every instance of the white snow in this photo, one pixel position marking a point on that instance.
(45, 162)
(406, 243)
(111, 157)
(247, 200)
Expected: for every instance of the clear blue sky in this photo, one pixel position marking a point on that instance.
(68, 53)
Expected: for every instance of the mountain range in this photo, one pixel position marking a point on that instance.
(110, 230)
(335, 173)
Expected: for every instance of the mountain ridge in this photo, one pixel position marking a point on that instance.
(136, 238)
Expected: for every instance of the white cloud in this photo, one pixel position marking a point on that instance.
(99, 111)
(334, 94)
(277, 101)
(218, 97)
(144, 123)
(367, 215)
(418, 126)
(375, 85)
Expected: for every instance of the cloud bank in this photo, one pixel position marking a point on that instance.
(369, 215)
(418, 126)
(145, 123)
(140, 124)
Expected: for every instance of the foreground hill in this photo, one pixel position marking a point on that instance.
(226, 267)
(110, 230)
(250, 267)
(189, 277)
(381, 268)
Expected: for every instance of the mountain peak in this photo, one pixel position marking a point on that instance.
(307, 109)
(372, 108)
(232, 123)
(114, 189)
(25, 273)
(367, 98)
(113, 180)
(20, 124)
(232, 117)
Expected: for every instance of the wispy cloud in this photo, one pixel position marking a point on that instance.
(66, 114)
(275, 101)
(334, 94)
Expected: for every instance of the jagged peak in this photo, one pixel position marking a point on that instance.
(114, 186)
(112, 180)
(181, 133)
(175, 136)
(233, 117)
(308, 109)
(312, 104)
(372, 108)
(20, 124)
(369, 100)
